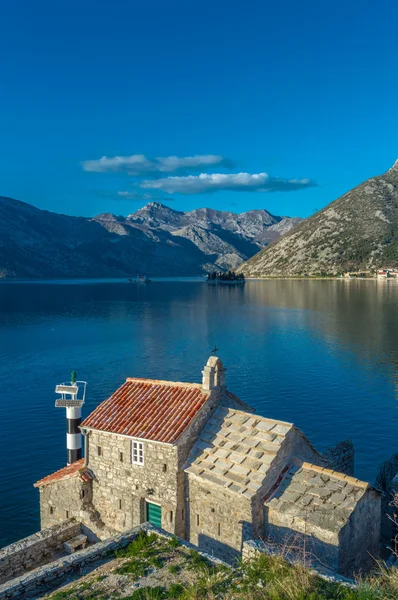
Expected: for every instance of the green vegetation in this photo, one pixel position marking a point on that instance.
(134, 567)
(195, 561)
(174, 569)
(192, 577)
(174, 543)
(228, 276)
(142, 542)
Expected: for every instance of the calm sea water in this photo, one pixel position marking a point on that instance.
(323, 354)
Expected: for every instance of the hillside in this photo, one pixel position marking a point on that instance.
(357, 232)
(156, 240)
(154, 568)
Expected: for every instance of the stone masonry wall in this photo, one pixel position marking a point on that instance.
(306, 539)
(120, 488)
(30, 551)
(218, 520)
(360, 538)
(53, 573)
(63, 499)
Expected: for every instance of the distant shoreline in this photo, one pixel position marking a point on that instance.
(170, 279)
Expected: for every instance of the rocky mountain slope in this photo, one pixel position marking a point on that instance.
(357, 232)
(156, 240)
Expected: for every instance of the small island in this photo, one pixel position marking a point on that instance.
(227, 278)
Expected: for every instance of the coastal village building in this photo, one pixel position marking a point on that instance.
(198, 462)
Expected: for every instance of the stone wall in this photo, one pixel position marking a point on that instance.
(340, 457)
(121, 488)
(30, 551)
(303, 538)
(252, 548)
(360, 537)
(218, 520)
(52, 574)
(63, 499)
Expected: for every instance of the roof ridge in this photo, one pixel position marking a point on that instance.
(165, 382)
(257, 416)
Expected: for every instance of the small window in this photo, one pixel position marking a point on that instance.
(137, 453)
(120, 504)
(99, 450)
(164, 468)
(219, 529)
(171, 516)
(51, 510)
(197, 520)
(121, 456)
(182, 515)
(67, 514)
(83, 494)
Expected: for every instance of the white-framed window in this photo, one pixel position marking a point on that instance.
(137, 453)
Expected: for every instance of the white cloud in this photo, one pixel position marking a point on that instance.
(139, 164)
(240, 182)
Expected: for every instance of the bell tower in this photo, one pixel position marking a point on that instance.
(213, 374)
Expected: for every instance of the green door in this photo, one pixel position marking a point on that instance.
(154, 514)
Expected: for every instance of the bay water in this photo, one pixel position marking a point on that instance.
(320, 354)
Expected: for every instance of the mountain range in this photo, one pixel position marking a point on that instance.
(155, 239)
(357, 232)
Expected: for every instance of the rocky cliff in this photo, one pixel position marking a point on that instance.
(156, 240)
(357, 232)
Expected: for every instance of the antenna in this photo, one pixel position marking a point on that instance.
(72, 395)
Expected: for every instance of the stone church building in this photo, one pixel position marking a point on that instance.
(198, 462)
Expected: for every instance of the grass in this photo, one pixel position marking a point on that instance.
(262, 578)
(174, 543)
(148, 593)
(136, 568)
(142, 542)
(195, 561)
(174, 569)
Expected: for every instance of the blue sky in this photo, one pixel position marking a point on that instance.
(291, 90)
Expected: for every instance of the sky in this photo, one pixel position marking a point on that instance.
(107, 105)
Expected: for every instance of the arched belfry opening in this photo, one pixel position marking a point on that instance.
(213, 374)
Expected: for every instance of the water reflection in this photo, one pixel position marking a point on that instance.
(322, 354)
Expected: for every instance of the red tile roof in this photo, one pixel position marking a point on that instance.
(64, 473)
(149, 409)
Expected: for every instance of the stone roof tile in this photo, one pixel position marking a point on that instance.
(236, 440)
(324, 498)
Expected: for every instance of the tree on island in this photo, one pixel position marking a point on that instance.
(228, 276)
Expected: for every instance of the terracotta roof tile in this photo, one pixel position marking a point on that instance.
(64, 473)
(149, 409)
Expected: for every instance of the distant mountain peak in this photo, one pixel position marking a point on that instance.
(156, 204)
(155, 239)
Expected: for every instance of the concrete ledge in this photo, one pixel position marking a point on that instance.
(60, 568)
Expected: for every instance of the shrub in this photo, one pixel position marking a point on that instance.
(174, 543)
(141, 543)
(132, 567)
(174, 569)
